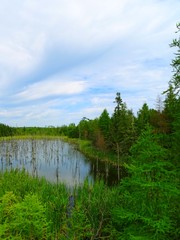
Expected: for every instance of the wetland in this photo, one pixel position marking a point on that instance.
(54, 159)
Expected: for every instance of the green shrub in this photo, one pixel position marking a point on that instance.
(24, 219)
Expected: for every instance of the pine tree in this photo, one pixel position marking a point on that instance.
(143, 118)
(172, 104)
(122, 127)
(148, 205)
(175, 81)
(104, 123)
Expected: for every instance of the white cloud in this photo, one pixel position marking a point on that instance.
(51, 87)
(82, 52)
(15, 56)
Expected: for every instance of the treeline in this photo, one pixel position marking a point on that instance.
(6, 130)
(116, 133)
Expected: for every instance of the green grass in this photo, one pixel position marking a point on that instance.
(32, 208)
(86, 147)
(32, 137)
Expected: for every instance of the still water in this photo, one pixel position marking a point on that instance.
(55, 160)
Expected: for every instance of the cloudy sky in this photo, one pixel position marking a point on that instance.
(62, 60)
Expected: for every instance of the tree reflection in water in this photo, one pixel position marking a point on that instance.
(55, 160)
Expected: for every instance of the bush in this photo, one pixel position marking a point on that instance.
(22, 219)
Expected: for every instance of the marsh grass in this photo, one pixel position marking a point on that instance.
(33, 208)
(52, 198)
(30, 136)
(86, 147)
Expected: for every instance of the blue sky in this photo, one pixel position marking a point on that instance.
(62, 60)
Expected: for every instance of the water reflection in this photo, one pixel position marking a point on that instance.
(107, 172)
(56, 160)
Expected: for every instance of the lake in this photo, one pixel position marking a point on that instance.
(55, 160)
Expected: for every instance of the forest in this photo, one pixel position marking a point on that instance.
(143, 205)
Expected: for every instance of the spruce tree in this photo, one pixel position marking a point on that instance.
(122, 127)
(148, 206)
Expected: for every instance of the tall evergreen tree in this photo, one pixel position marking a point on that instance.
(172, 103)
(143, 118)
(148, 203)
(122, 128)
(175, 81)
(104, 125)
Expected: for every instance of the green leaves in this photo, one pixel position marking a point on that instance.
(5, 130)
(35, 209)
(176, 64)
(148, 197)
(122, 127)
(23, 219)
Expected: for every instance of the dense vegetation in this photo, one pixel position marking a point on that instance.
(142, 206)
(5, 130)
(35, 209)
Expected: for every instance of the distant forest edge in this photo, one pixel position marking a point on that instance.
(117, 133)
(104, 130)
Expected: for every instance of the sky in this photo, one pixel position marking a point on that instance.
(62, 60)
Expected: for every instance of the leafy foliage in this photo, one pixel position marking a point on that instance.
(22, 219)
(5, 130)
(148, 198)
(35, 209)
(122, 127)
(175, 82)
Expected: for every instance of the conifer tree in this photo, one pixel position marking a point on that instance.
(104, 128)
(122, 127)
(172, 104)
(143, 118)
(148, 205)
(104, 123)
(175, 81)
